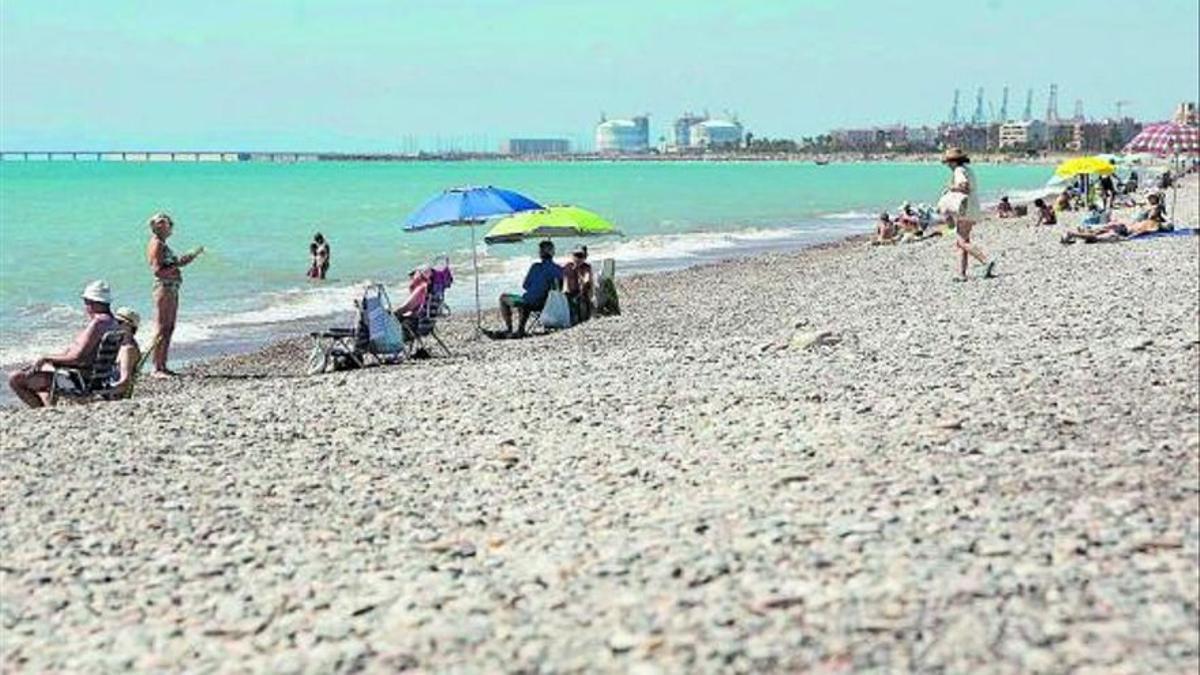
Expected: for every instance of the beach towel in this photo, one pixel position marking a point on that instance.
(1183, 232)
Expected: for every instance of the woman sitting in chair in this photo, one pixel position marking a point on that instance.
(418, 293)
(578, 285)
(130, 356)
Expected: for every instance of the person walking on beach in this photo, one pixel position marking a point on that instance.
(32, 385)
(322, 253)
(166, 267)
(959, 205)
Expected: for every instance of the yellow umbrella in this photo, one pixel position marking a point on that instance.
(1084, 165)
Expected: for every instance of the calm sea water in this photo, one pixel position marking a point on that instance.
(65, 223)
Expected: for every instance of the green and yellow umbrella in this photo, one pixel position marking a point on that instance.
(1085, 166)
(554, 221)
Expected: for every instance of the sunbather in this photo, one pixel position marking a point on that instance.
(1112, 232)
(32, 384)
(578, 285)
(1005, 209)
(1063, 202)
(543, 276)
(1045, 214)
(418, 293)
(885, 230)
(130, 356)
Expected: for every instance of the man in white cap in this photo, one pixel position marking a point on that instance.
(32, 384)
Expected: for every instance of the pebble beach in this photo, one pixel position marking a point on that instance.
(830, 460)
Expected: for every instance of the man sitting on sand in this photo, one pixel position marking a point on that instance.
(1005, 209)
(543, 276)
(32, 384)
(1045, 214)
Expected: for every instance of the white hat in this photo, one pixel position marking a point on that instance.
(98, 291)
(128, 315)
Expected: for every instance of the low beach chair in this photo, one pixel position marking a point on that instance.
(424, 324)
(376, 336)
(93, 383)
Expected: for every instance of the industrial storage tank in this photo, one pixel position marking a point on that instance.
(632, 135)
(716, 133)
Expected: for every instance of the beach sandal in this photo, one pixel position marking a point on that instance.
(960, 278)
(164, 374)
(989, 270)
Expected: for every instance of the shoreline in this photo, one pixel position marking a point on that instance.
(922, 474)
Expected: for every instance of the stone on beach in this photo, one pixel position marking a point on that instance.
(914, 475)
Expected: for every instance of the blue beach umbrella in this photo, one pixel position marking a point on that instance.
(469, 206)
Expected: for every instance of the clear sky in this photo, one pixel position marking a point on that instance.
(375, 74)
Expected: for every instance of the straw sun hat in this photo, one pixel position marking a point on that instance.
(129, 316)
(954, 154)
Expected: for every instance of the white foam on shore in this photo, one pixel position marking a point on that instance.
(499, 270)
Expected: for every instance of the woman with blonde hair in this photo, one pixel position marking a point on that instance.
(166, 267)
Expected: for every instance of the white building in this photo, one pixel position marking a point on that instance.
(716, 134)
(631, 135)
(1022, 134)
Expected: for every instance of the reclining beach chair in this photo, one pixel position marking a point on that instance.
(424, 324)
(89, 384)
(376, 336)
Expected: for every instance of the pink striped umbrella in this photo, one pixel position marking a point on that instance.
(1166, 138)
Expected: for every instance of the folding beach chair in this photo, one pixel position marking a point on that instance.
(424, 324)
(94, 382)
(375, 337)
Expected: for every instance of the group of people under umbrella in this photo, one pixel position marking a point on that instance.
(522, 219)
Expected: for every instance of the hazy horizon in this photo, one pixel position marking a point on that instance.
(371, 75)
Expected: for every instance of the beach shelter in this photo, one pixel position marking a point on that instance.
(1084, 166)
(1165, 138)
(554, 221)
(469, 206)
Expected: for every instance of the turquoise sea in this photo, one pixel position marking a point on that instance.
(64, 223)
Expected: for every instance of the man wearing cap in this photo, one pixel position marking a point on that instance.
(32, 384)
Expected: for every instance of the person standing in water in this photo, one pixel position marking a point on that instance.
(959, 205)
(168, 278)
(322, 255)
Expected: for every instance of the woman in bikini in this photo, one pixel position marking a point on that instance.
(167, 279)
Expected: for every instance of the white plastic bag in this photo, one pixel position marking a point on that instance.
(557, 311)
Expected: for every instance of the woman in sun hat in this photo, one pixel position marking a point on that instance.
(130, 356)
(959, 205)
(166, 267)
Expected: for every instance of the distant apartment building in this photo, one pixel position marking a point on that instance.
(1026, 134)
(853, 139)
(535, 146)
(969, 137)
(1185, 113)
(621, 136)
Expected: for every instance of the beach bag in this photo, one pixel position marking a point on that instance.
(386, 335)
(952, 203)
(607, 303)
(557, 311)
